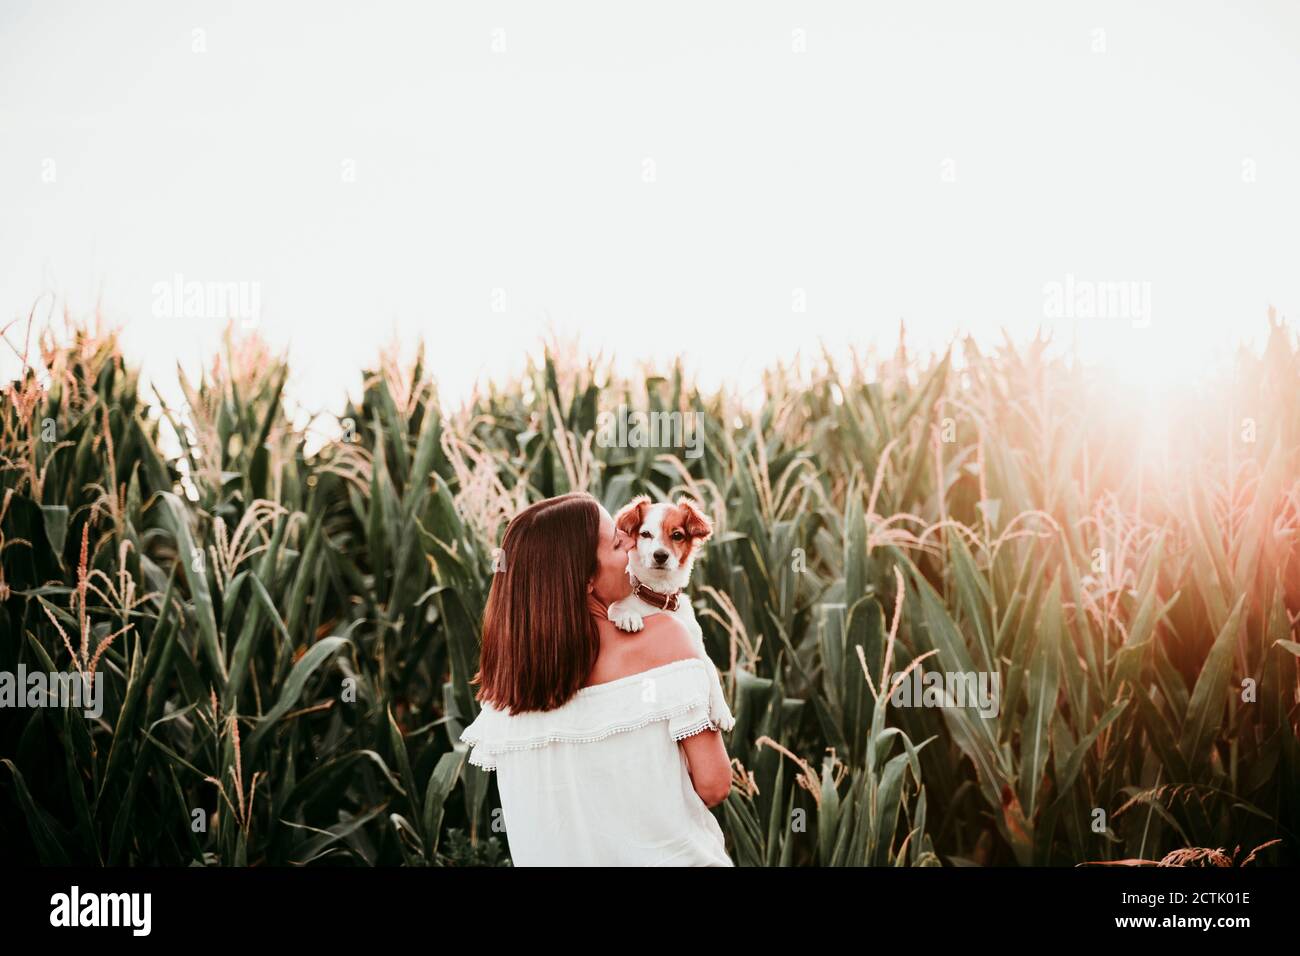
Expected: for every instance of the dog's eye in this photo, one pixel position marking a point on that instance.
(677, 536)
(645, 534)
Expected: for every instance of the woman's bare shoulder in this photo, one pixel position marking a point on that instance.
(663, 641)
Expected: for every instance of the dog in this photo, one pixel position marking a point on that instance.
(668, 537)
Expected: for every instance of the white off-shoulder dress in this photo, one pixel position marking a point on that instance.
(601, 780)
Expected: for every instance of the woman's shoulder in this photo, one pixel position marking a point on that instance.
(663, 641)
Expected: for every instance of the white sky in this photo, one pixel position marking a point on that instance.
(775, 170)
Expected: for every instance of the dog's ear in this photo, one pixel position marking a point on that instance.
(698, 524)
(629, 519)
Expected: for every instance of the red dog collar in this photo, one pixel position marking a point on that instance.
(665, 602)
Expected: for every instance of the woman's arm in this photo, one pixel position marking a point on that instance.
(706, 756)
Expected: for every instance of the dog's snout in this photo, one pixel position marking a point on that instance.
(660, 556)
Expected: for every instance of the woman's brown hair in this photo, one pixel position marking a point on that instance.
(539, 638)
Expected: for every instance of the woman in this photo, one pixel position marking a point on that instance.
(602, 743)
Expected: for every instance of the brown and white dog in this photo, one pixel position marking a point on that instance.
(668, 537)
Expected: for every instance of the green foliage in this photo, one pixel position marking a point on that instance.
(285, 634)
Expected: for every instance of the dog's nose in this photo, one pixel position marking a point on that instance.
(661, 556)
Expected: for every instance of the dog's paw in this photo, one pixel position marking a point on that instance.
(627, 620)
(720, 713)
(723, 720)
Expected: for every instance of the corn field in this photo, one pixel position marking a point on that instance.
(285, 637)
